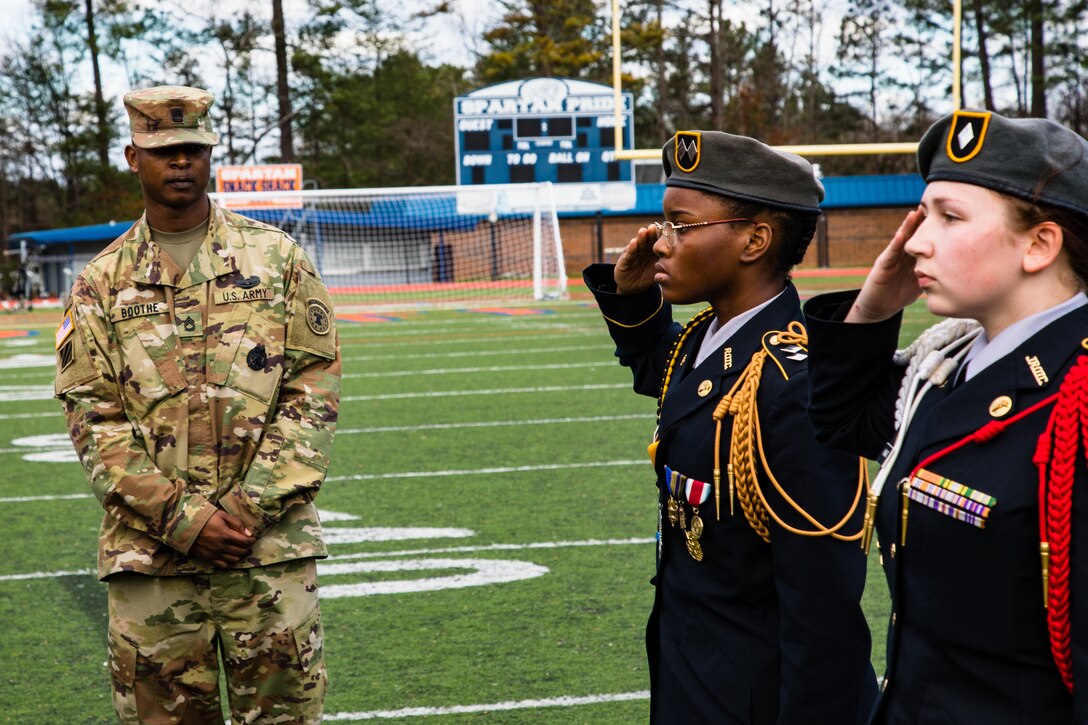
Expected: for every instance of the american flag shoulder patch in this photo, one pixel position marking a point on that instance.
(65, 330)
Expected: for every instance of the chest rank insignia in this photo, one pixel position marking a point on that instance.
(1037, 371)
(256, 358)
(318, 317)
(190, 324)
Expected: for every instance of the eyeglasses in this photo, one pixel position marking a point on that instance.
(671, 232)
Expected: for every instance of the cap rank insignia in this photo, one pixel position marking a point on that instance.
(966, 135)
(688, 148)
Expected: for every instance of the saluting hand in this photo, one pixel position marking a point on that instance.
(223, 541)
(635, 268)
(891, 284)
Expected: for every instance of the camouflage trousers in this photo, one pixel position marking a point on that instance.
(166, 635)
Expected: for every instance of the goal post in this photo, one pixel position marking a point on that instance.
(422, 245)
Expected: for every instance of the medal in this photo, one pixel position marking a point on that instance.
(674, 482)
(693, 535)
(694, 548)
(696, 525)
(696, 492)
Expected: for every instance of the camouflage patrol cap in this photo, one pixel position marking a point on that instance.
(1030, 158)
(170, 115)
(742, 168)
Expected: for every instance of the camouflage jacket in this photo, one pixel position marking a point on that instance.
(214, 387)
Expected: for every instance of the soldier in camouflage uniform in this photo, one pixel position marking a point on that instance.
(199, 369)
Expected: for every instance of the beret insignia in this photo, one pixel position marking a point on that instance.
(688, 149)
(966, 135)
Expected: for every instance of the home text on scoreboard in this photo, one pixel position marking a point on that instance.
(541, 129)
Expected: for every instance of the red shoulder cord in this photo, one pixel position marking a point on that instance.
(1055, 453)
(1055, 457)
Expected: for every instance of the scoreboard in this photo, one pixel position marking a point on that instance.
(541, 129)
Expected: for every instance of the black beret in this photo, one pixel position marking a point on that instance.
(1030, 158)
(741, 168)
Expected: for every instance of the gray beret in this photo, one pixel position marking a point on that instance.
(1029, 158)
(741, 168)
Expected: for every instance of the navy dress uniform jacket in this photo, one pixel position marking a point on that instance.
(967, 641)
(754, 633)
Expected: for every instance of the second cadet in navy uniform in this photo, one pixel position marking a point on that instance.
(756, 615)
(980, 506)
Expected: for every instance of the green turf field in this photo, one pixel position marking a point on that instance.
(490, 511)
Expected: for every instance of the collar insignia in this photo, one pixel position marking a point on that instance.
(1037, 370)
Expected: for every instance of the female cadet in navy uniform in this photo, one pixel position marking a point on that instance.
(990, 422)
(754, 621)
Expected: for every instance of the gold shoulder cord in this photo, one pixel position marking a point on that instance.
(677, 346)
(747, 438)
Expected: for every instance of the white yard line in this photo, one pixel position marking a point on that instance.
(494, 547)
(31, 499)
(386, 476)
(488, 391)
(468, 338)
(11, 394)
(566, 701)
(484, 353)
(387, 554)
(483, 471)
(25, 446)
(478, 424)
(483, 369)
(15, 416)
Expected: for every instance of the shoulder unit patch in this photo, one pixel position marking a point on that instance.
(318, 316)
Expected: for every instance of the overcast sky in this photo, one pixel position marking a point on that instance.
(447, 39)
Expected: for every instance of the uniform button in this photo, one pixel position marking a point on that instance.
(1000, 406)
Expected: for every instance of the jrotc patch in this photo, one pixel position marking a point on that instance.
(318, 316)
(688, 150)
(966, 135)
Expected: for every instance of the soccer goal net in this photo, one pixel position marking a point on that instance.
(423, 245)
